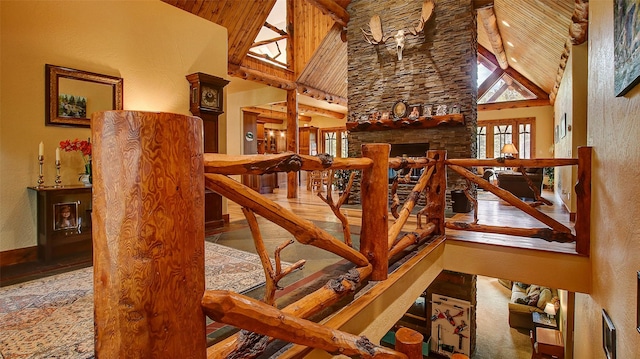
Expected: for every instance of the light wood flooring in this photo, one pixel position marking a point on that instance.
(491, 211)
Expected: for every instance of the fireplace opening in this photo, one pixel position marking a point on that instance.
(408, 150)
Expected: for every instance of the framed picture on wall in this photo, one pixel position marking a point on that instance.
(563, 126)
(626, 57)
(608, 336)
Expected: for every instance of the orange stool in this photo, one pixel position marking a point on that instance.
(459, 356)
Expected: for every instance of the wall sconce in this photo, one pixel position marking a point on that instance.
(509, 150)
(282, 134)
(271, 133)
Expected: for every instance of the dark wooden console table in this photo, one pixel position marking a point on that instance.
(58, 238)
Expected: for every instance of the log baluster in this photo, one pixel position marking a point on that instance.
(583, 201)
(436, 191)
(374, 188)
(148, 237)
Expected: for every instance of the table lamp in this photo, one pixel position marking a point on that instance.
(550, 309)
(509, 150)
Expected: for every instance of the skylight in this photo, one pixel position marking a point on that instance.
(506, 89)
(273, 37)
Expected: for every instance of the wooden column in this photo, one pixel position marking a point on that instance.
(437, 190)
(292, 140)
(583, 202)
(374, 193)
(148, 237)
(409, 342)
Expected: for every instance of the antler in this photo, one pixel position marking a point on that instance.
(427, 10)
(374, 36)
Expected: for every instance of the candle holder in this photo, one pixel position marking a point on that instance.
(40, 175)
(58, 180)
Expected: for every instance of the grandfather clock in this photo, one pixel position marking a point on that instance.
(206, 101)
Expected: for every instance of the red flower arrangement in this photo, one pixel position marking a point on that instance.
(77, 145)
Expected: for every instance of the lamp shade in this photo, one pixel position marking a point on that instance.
(509, 148)
(550, 309)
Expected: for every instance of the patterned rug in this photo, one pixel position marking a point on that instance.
(52, 317)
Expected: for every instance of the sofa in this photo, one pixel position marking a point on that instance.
(526, 299)
(515, 182)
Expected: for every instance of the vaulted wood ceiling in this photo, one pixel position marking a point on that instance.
(538, 31)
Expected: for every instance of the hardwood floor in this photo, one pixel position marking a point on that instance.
(492, 211)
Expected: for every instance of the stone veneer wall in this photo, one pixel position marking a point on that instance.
(438, 67)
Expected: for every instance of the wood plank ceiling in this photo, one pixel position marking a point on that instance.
(538, 31)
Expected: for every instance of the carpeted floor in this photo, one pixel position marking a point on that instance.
(495, 339)
(52, 317)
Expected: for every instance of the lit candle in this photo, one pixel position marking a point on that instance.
(41, 149)
(58, 154)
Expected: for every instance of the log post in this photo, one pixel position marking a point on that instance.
(436, 192)
(583, 202)
(374, 189)
(409, 342)
(148, 237)
(292, 140)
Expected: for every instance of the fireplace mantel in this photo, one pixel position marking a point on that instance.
(406, 123)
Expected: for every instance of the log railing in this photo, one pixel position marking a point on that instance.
(556, 231)
(371, 262)
(148, 253)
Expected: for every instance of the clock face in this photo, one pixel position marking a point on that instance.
(209, 97)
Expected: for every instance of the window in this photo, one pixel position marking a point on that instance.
(493, 135)
(330, 143)
(335, 141)
(481, 142)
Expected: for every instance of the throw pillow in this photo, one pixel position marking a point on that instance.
(545, 296)
(522, 285)
(524, 300)
(533, 288)
(533, 300)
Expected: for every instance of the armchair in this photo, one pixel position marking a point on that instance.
(515, 182)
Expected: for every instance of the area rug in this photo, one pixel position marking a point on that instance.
(52, 317)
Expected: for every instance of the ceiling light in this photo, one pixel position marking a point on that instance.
(505, 23)
(513, 59)
(509, 43)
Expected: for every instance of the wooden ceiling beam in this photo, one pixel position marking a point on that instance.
(272, 116)
(490, 23)
(579, 29)
(512, 104)
(257, 76)
(321, 95)
(563, 63)
(331, 8)
(315, 110)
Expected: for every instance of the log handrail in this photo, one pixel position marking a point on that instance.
(507, 162)
(243, 312)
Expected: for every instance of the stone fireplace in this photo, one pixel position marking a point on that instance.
(438, 67)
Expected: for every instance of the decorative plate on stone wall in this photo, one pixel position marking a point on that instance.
(399, 109)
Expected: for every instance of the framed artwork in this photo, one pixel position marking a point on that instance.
(638, 304)
(563, 126)
(415, 111)
(608, 336)
(72, 95)
(65, 215)
(626, 51)
(399, 109)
